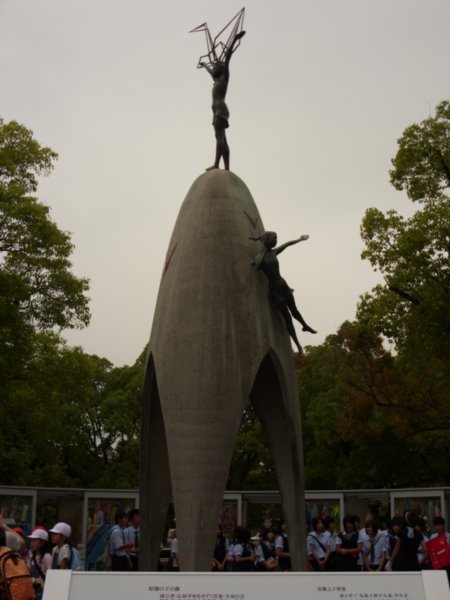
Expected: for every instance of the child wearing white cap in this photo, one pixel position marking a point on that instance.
(39, 560)
(61, 533)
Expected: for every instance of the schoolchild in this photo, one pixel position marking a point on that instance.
(405, 544)
(244, 558)
(230, 552)
(282, 549)
(61, 556)
(330, 530)
(39, 559)
(318, 547)
(220, 551)
(373, 547)
(118, 545)
(267, 553)
(348, 546)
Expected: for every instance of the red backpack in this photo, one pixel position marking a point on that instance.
(15, 579)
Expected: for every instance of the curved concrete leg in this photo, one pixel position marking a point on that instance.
(155, 488)
(278, 411)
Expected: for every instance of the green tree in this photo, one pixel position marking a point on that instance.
(411, 308)
(38, 291)
(422, 163)
(362, 404)
(22, 158)
(413, 257)
(348, 437)
(72, 419)
(39, 297)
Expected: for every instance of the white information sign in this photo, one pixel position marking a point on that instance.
(68, 585)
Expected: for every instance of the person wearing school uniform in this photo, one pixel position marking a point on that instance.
(62, 554)
(39, 559)
(348, 547)
(373, 547)
(244, 558)
(118, 545)
(266, 551)
(330, 530)
(230, 552)
(282, 549)
(219, 560)
(405, 544)
(318, 545)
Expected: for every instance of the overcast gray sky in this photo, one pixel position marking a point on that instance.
(320, 90)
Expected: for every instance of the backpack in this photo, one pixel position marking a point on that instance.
(75, 562)
(15, 579)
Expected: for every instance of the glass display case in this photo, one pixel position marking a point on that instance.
(426, 504)
(322, 505)
(18, 509)
(100, 513)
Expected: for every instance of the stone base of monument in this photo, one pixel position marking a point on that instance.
(68, 585)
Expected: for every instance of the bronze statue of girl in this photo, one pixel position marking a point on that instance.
(219, 71)
(281, 294)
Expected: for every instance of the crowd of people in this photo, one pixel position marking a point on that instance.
(50, 549)
(399, 546)
(53, 549)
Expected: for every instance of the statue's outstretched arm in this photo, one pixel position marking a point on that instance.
(230, 50)
(280, 249)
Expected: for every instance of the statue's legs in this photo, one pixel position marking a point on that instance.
(155, 486)
(290, 327)
(275, 399)
(290, 301)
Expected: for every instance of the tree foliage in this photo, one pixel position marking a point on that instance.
(422, 162)
(251, 465)
(366, 422)
(22, 158)
(72, 420)
(35, 263)
(375, 418)
(413, 257)
(39, 295)
(38, 291)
